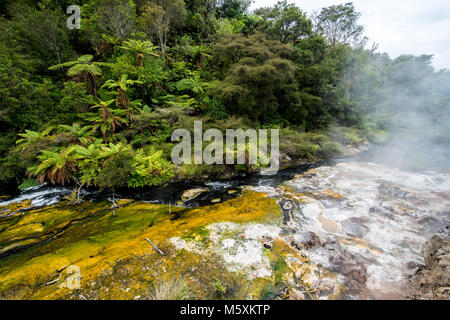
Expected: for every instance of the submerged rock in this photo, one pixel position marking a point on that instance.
(94, 238)
(353, 227)
(351, 231)
(192, 193)
(372, 233)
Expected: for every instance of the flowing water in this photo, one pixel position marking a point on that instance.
(346, 229)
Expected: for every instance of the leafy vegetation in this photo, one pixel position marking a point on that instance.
(97, 106)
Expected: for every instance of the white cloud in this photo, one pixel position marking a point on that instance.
(399, 26)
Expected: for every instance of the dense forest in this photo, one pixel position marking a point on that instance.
(96, 106)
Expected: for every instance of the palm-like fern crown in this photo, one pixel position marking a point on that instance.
(76, 129)
(80, 65)
(138, 46)
(114, 149)
(123, 83)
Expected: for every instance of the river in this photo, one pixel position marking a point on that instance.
(341, 229)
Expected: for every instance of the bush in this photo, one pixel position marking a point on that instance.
(331, 148)
(115, 173)
(301, 144)
(347, 136)
(149, 168)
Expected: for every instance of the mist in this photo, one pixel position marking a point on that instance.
(415, 101)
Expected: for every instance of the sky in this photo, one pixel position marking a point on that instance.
(399, 26)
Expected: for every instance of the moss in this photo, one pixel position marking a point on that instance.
(94, 237)
(200, 234)
(14, 207)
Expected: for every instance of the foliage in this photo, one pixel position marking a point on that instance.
(139, 48)
(150, 169)
(160, 16)
(338, 24)
(260, 80)
(28, 183)
(140, 69)
(285, 22)
(83, 70)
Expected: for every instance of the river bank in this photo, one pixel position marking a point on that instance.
(345, 230)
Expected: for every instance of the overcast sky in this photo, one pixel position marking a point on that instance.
(399, 26)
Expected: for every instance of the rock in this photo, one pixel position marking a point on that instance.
(353, 227)
(287, 206)
(350, 151)
(433, 280)
(382, 211)
(296, 295)
(363, 148)
(356, 272)
(231, 191)
(389, 191)
(306, 240)
(430, 224)
(414, 265)
(192, 193)
(436, 251)
(217, 200)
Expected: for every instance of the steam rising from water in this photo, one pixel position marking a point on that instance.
(416, 99)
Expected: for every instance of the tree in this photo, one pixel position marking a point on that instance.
(117, 17)
(159, 16)
(30, 136)
(80, 133)
(44, 29)
(285, 22)
(338, 24)
(139, 48)
(232, 8)
(107, 119)
(55, 166)
(260, 78)
(122, 88)
(201, 17)
(84, 70)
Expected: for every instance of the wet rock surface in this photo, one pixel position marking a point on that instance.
(371, 222)
(348, 231)
(192, 193)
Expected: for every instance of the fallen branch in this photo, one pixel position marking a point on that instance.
(54, 281)
(155, 247)
(113, 200)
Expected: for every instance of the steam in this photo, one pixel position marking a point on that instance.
(416, 100)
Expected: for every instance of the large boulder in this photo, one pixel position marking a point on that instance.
(432, 281)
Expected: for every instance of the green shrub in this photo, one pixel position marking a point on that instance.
(331, 148)
(149, 168)
(301, 144)
(377, 136)
(115, 173)
(345, 135)
(200, 172)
